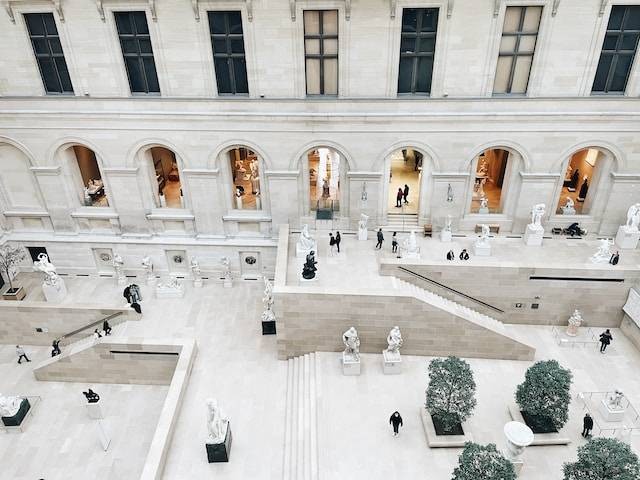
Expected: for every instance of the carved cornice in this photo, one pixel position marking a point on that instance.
(195, 4)
(151, 3)
(347, 9)
(603, 7)
(554, 7)
(9, 4)
(496, 7)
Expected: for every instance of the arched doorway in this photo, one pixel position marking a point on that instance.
(163, 171)
(584, 173)
(246, 173)
(81, 166)
(405, 178)
(492, 176)
(324, 174)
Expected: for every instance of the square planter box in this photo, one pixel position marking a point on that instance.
(442, 441)
(17, 293)
(559, 438)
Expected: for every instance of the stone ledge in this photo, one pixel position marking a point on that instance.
(442, 441)
(540, 439)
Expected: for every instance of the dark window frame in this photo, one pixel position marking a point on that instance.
(416, 55)
(516, 49)
(135, 36)
(616, 53)
(50, 55)
(229, 55)
(321, 37)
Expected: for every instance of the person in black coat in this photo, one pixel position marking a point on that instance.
(605, 340)
(464, 255)
(56, 348)
(106, 327)
(615, 258)
(451, 255)
(396, 421)
(380, 239)
(399, 196)
(587, 425)
(338, 238)
(405, 193)
(394, 243)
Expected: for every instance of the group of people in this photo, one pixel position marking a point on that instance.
(464, 255)
(402, 195)
(334, 243)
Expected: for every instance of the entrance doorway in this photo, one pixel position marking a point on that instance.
(405, 174)
(581, 178)
(325, 170)
(490, 175)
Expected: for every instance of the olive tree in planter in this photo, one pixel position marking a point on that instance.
(544, 396)
(450, 394)
(10, 257)
(603, 459)
(483, 462)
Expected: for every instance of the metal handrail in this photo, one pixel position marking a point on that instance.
(90, 325)
(451, 289)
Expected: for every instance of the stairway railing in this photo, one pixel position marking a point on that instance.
(88, 326)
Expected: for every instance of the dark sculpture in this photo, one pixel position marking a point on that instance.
(574, 230)
(92, 397)
(309, 268)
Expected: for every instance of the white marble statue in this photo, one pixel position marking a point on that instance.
(574, 323)
(196, 273)
(603, 255)
(118, 266)
(484, 236)
(484, 202)
(449, 193)
(267, 299)
(614, 401)
(147, 264)
(45, 266)
(410, 246)
(217, 423)
(569, 207)
(394, 341)
(633, 217)
(352, 344)
(483, 168)
(537, 212)
(9, 406)
(362, 226)
(447, 224)
(306, 241)
(481, 188)
(226, 268)
(172, 288)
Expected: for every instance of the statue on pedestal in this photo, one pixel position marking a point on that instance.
(309, 267)
(603, 255)
(9, 406)
(306, 241)
(574, 322)
(45, 266)
(217, 423)
(447, 224)
(394, 341)
(147, 264)
(267, 299)
(569, 207)
(410, 246)
(352, 345)
(633, 217)
(615, 400)
(226, 271)
(118, 265)
(537, 212)
(194, 265)
(484, 236)
(362, 226)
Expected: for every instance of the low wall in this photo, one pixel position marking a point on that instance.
(310, 321)
(600, 301)
(19, 320)
(630, 330)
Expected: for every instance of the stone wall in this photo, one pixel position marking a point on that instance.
(630, 330)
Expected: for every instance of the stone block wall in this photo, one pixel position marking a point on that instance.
(630, 330)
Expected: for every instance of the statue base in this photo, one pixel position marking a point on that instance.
(227, 283)
(609, 414)
(391, 364)
(572, 330)
(482, 249)
(627, 238)
(16, 420)
(483, 211)
(220, 452)
(198, 283)
(55, 294)
(362, 234)
(445, 236)
(350, 366)
(568, 211)
(303, 252)
(312, 279)
(122, 280)
(168, 292)
(269, 327)
(411, 255)
(94, 410)
(533, 235)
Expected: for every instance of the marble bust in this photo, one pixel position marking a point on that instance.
(45, 266)
(352, 345)
(9, 406)
(217, 423)
(394, 342)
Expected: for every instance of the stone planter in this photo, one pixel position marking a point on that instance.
(442, 441)
(16, 293)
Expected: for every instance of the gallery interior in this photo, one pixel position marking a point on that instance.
(292, 240)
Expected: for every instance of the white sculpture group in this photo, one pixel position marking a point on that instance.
(351, 353)
(482, 246)
(267, 300)
(629, 233)
(9, 406)
(306, 243)
(603, 255)
(410, 247)
(53, 286)
(217, 422)
(574, 323)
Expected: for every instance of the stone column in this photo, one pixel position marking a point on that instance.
(127, 192)
(56, 198)
(284, 197)
(207, 202)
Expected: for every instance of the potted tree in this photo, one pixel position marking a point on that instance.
(10, 257)
(483, 462)
(450, 394)
(604, 459)
(544, 396)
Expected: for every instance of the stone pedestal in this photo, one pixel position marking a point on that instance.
(303, 252)
(94, 410)
(482, 249)
(391, 364)
(609, 414)
(220, 452)
(627, 238)
(122, 280)
(445, 236)
(483, 211)
(362, 234)
(55, 293)
(518, 436)
(269, 327)
(302, 279)
(350, 365)
(533, 235)
(227, 282)
(197, 283)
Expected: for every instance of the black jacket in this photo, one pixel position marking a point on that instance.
(587, 422)
(380, 237)
(395, 420)
(606, 338)
(451, 255)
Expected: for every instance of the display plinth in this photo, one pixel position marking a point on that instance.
(302, 279)
(350, 366)
(269, 327)
(197, 283)
(16, 420)
(227, 283)
(411, 255)
(610, 414)
(94, 410)
(220, 452)
(122, 280)
(482, 249)
(303, 252)
(55, 293)
(362, 234)
(568, 211)
(17, 293)
(627, 238)
(483, 211)
(533, 235)
(445, 236)
(391, 364)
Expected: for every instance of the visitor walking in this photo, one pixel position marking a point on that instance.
(56, 348)
(399, 196)
(464, 255)
(587, 425)
(380, 239)
(332, 245)
(106, 327)
(96, 334)
(615, 258)
(396, 421)
(338, 239)
(605, 340)
(405, 193)
(394, 243)
(21, 354)
(451, 255)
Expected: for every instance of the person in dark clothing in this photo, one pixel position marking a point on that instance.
(332, 245)
(92, 397)
(587, 425)
(96, 334)
(136, 307)
(464, 255)
(396, 421)
(21, 354)
(405, 193)
(614, 258)
(605, 340)
(127, 294)
(451, 255)
(56, 348)
(338, 239)
(380, 239)
(394, 243)
(399, 196)
(106, 327)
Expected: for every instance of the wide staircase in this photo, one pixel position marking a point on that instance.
(301, 419)
(401, 222)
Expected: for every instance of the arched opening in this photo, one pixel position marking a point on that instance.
(405, 175)
(491, 171)
(246, 172)
(168, 187)
(326, 171)
(583, 174)
(18, 186)
(86, 176)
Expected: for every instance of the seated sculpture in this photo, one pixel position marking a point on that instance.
(9, 406)
(604, 251)
(394, 342)
(309, 267)
(92, 397)
(352, 345)
(306, 241)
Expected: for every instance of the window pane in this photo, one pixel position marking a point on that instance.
(49, 24)
(404, 75)
(427, 45)
(425, 66)
(219, 45)
(527, 44)
(223, 75)
(216, 22)
(145, 45)
(600, 81)
(129, 45)
(136, 78)
(312, 46)
(511, 19)
(237, 45)
(49, 75)
(408, 45)
(123, 23)
(615, 19)
(40, 45)
(629, 42)
(240, 75)
(152, 76)
(409, 20)
(619, 80)
(235, 22)
(508, 44)
(330, 22)
(140, 22)
(63, 73)
(331, 47)
(35, 23)
(521, 74)
(503, 70)
(429, 20)
(633, 18)
(610, 42)
(532, 19)
(54, 43)
(313, 76)
(311, 22)
(331, 76)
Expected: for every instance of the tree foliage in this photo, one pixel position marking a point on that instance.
(545, 392)
(9, 258)
(451, 390)
(483, 462)
(604, 459)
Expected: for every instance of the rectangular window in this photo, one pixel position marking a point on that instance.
(321, 51)
(228, 52)
(618, 50)
(48, 51)
(517, 46)
(417, 49)
(135, 41)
